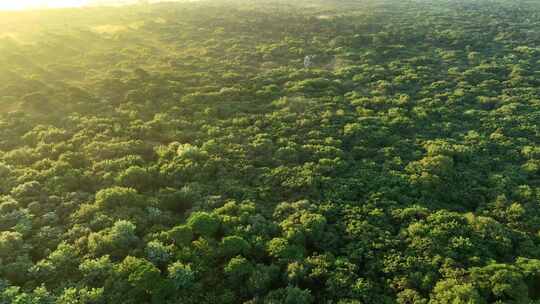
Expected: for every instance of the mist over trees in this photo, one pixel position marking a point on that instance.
(185, 153)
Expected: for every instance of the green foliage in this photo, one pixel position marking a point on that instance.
(158, 253)
(96, 271)
(234, 245)
(502, 282)
(374, 151)
(281, 248)
(81, 296)
(181, 235)
(133, 280)
(203, 223)
(136, 178)
(182, 275)
(117, 241)
(451, 291)
(289, 295)
(118, 197)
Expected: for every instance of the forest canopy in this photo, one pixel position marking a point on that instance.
(271, 152)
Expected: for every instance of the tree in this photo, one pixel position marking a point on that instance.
(501, 281)
(137, 178)
(133, 280)
(289, 295)
(203, 223)
(116, 241)
(118, 197)
(234, 245)
(81, 296)
(182, 275)
(181, 235)
(158, 253)
(452, 291)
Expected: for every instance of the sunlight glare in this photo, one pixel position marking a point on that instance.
(30, 4)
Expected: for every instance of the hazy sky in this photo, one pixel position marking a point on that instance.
(23, 4)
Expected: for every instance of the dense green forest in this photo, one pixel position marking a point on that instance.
(346, 152)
